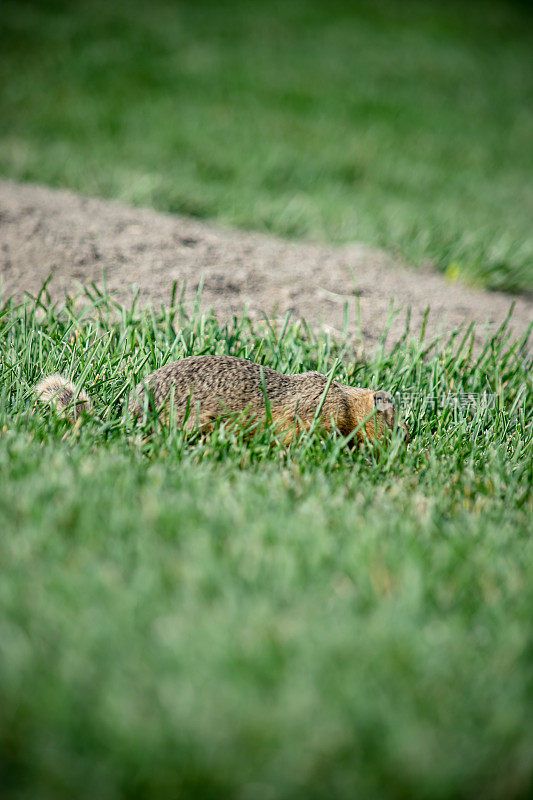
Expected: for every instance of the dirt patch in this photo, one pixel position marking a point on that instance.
(44, 231)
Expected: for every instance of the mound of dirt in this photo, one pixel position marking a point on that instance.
(44, 231)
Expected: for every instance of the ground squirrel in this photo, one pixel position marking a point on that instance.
(202, 389)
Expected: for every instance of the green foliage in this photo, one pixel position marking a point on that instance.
(221, 617)
(402, 124)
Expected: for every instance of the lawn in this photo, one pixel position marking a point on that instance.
(228, 618)
(405, 124)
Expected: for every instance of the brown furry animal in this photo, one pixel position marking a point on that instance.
(201, 389)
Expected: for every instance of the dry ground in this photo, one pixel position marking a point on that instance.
(45, 231)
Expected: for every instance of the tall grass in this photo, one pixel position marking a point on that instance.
(225, 617)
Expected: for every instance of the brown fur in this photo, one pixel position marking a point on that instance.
(63, 395)
(198, 390)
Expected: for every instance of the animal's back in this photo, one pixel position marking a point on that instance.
(207, 387)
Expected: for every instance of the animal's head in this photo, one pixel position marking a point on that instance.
(385, 411)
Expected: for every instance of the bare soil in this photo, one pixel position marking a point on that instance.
(48, 232)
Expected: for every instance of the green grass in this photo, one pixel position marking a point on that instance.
(228, 618)
(402, 124)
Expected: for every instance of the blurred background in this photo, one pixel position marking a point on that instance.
(407, 125)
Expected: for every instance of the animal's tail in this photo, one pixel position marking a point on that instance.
(57, 391)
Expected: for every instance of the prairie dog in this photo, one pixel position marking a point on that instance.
(202, 389)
